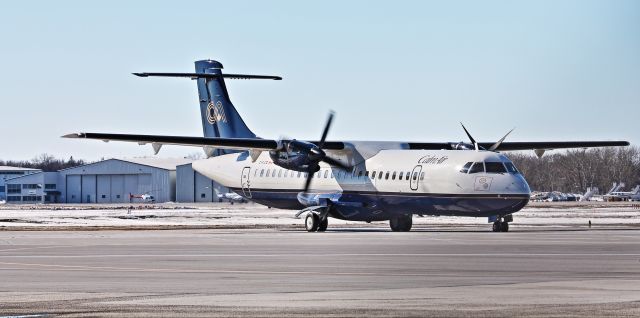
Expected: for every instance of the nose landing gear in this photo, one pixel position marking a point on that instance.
(501, 224)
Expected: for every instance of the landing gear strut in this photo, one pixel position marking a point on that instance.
(314, 222)
(401, 223)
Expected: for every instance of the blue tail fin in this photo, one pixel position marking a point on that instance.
(219, 117)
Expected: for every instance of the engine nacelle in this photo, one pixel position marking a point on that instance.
(298, 156)
(464, 146)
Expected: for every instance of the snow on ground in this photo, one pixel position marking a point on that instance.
(225, 215)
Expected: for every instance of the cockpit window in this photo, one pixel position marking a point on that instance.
(511, 168)
(465, 168)
(477, 167)
(495, 167)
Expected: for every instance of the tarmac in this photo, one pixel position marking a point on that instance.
(372, 272)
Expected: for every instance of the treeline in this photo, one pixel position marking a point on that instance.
(574, 171)
(45, 162)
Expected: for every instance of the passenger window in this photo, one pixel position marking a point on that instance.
(408, 175)
(495, 167)
(373, 175)
(299, 174)
(380, 175)
(306, 175)
(393, 176)
(331, 174)
(400, 175)
(255, 173)
(386, 176)
(422, 176)
(326, 173)
(280, 173)
(286, 173)
(261, 172)
(466, 167)
(415, 176)
(366, 174)
(477, 167)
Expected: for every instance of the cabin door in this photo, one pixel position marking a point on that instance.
(246, 185)
(414, 180)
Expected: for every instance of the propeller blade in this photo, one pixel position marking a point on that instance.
(497, 144)
(473, 141)
(335, 163)
(326, 130)
(307, 182)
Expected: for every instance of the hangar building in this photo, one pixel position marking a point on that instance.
(8, 172)
(191, 186)
(107, 181)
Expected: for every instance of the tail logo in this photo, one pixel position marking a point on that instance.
(215, 113)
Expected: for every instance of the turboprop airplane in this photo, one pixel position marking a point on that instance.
(350, 180)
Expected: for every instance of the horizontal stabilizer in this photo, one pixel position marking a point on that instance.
(209, 75)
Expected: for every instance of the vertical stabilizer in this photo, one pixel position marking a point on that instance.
(219, 117)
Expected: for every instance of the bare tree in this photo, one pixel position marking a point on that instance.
(576, 170)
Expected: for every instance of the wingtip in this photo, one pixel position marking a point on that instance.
(73, 135)
(141, 74)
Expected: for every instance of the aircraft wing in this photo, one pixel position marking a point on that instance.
(270, 144)
(548, 145)
(523, 145)
(222, 143)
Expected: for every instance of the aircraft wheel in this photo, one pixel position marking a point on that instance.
(323, 225)
(504, 227)
(401, 223)
(311, 222)
(497, 226)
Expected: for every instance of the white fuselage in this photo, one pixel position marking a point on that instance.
(398, 173)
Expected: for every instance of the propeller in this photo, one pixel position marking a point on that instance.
(497, 144)
(316, 154)
(493, 147)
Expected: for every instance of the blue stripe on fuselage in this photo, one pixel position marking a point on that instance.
(382, 206)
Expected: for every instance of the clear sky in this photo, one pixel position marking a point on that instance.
(392, 70)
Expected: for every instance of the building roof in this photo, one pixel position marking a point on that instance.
(162, 163)
(10, 168)
(28, 175)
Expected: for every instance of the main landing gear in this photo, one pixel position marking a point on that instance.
(501, 224)
(316, 223)
(401, 223)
